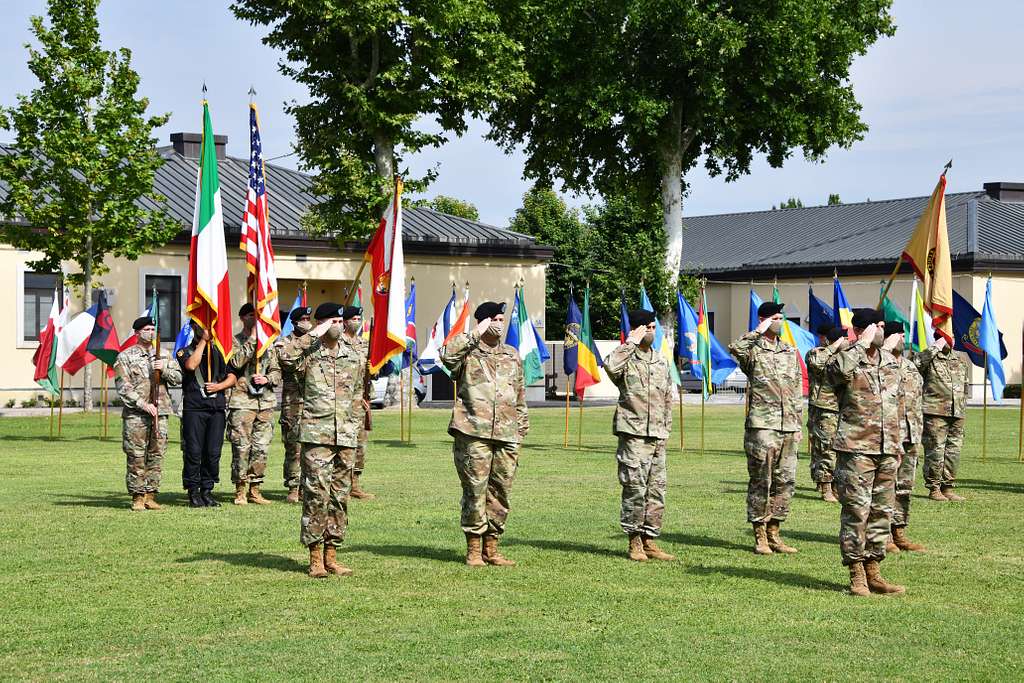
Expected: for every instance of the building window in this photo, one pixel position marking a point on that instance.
(168, 297)
(37, 301)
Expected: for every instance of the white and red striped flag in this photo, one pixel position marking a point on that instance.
(261, 285)
(387, 337)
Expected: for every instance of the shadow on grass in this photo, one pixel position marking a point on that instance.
(810, 536)
(395, 443)
(703, 541)
(257, 560)
(982, 484)
(566, 546)
(772, 575)
(414, 551)
(119, 501)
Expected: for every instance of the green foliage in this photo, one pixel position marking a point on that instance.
(791, 203)
(454, 207)
(373, 69)
(10, 403)
(833, 199)
(83, 159)
(29, 403)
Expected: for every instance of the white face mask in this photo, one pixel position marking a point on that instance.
(334, 332)
(147, 336)
(776, 326)
(352, 326)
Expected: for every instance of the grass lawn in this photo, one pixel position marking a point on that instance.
(93, 591)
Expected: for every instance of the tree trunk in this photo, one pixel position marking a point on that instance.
(86, 303)
(671, 153)
(384, 156)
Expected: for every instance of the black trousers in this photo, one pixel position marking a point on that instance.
(202, 435)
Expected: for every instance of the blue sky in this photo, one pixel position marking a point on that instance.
(948, 84)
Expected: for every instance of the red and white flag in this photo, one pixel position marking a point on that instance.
(387, 336)
(72, 340)
(461, 324)
(261, 285)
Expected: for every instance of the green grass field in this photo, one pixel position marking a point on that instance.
(93, 591)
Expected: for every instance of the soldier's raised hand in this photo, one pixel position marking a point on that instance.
(321, 329)
(205, 336)
(868, 335)
(834, 346)
(890, 342)
(763, 326)
(636, 335)
(481, 327)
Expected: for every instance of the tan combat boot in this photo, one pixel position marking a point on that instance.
(858, 581)
(473, 551)
(255, 497)
(875, 581)
(492, 555)
(825, 489)
(316, 562)
(890, 545)
(240, 493)
(357, 492)
(900, 540)
(761, 546)
(950, 494)
(636, 548)
(775, 541)
(935, 494)
(293, 496)
(138, 502)
(331, 562)
(652, 551)
(149, 500)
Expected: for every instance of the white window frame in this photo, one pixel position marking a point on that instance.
(20, 341)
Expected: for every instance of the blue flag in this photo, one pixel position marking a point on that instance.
(990, 342)
(966, 331)
(573, 321)
(624, 328)
(184, 337)
(410, 355)
(755, 301)
(722, 364)
(288, 326)
(818, 312)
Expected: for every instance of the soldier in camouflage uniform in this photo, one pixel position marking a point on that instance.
(642, 423)
(868, 447)
(823, 410)
(489, 421)
(291, 404)
(353, 330)
(251, 411)
(773, 425)
(911, 427)
(946, 385)
(330, 370)
(143, 445)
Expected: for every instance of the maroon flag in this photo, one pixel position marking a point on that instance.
(103, 341)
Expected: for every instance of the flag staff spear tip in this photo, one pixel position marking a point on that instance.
(949, 165)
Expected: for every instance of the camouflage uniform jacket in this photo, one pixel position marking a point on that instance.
(870, 413)
(491, 400)
(332, 385)
(133, 373)
(291, 383)
(911, 384)
(946, 381)
(774, 382)
(645, 392)
(821, 393)
(243, 365)
(362, 347)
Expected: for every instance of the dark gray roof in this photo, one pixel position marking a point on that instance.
(984, 231)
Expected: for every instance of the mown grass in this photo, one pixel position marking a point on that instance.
(92, 591)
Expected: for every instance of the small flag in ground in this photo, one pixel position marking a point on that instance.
(523, 337)
(588, 359)
(430, 361)
(704, 346)
(990, 343)
(624, 328)
(841, 308)
(461, 324)
(818, 312)
(409, 356)
(722, 363)
(103, 343)
(966, 331)
(755, 303)
(300, 300)
(659, 345)
(45, 357)
(797, 337)
(72, 354)
(570, 351)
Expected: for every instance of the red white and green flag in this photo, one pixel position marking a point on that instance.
(387, 336)
(45, 357)
(208, 301)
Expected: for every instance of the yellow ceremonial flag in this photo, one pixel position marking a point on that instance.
(927, 252)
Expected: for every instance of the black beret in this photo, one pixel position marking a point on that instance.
(834, 334)
(328, 310)
(640, 318)
(488, 309)
(862, 317)
(894, 327)
(350, 312)
(769, 308)
(142, 322)
(246, 309)
(823, 329)
(298, 312)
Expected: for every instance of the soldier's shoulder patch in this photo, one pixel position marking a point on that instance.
(181, 354)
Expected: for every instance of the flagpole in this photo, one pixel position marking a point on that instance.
(401, 404)
(702, 401)
(60, 410)
(106, 404)
(682, 432)
(984, 413)
(565, 443)
(103, 393)
(51, 416)
(1020, 425)
(579, 442)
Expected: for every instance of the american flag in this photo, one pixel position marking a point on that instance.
(261, 285)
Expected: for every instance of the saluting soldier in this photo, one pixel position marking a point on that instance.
(946, 385)
(868, 446)
(823, 410)
(642, 423)
(489, 422)
(773, 426)
(291, 403)
(144, 418)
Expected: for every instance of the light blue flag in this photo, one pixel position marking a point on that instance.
(288, 326)
(659, 345)
(722, 363)
(184, 337)
(988, 341)
(755, 302)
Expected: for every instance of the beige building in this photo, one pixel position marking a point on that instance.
(439, 250)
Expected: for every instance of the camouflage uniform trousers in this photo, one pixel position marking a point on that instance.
(250, 432)
(145, 456)
(942, 440)
(821, 427)
(486, 469)
(363, 439)
(866, 485)
(905, 476)
(326, 484)
(771, 466)
(292, 447)
(643, 476)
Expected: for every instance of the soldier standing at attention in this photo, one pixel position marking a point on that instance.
(911, 427)
(642, 422)
(144, 420)
(353, 330)
(823, 410)
(773, 426)
(946, 385)
(251, 411)
(868, 446)
(330, 371)
(489, 421)
(291, 404)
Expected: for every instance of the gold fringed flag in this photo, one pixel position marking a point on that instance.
(927, 252)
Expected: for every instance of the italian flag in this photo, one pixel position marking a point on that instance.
(45, 357)
(208, 301)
